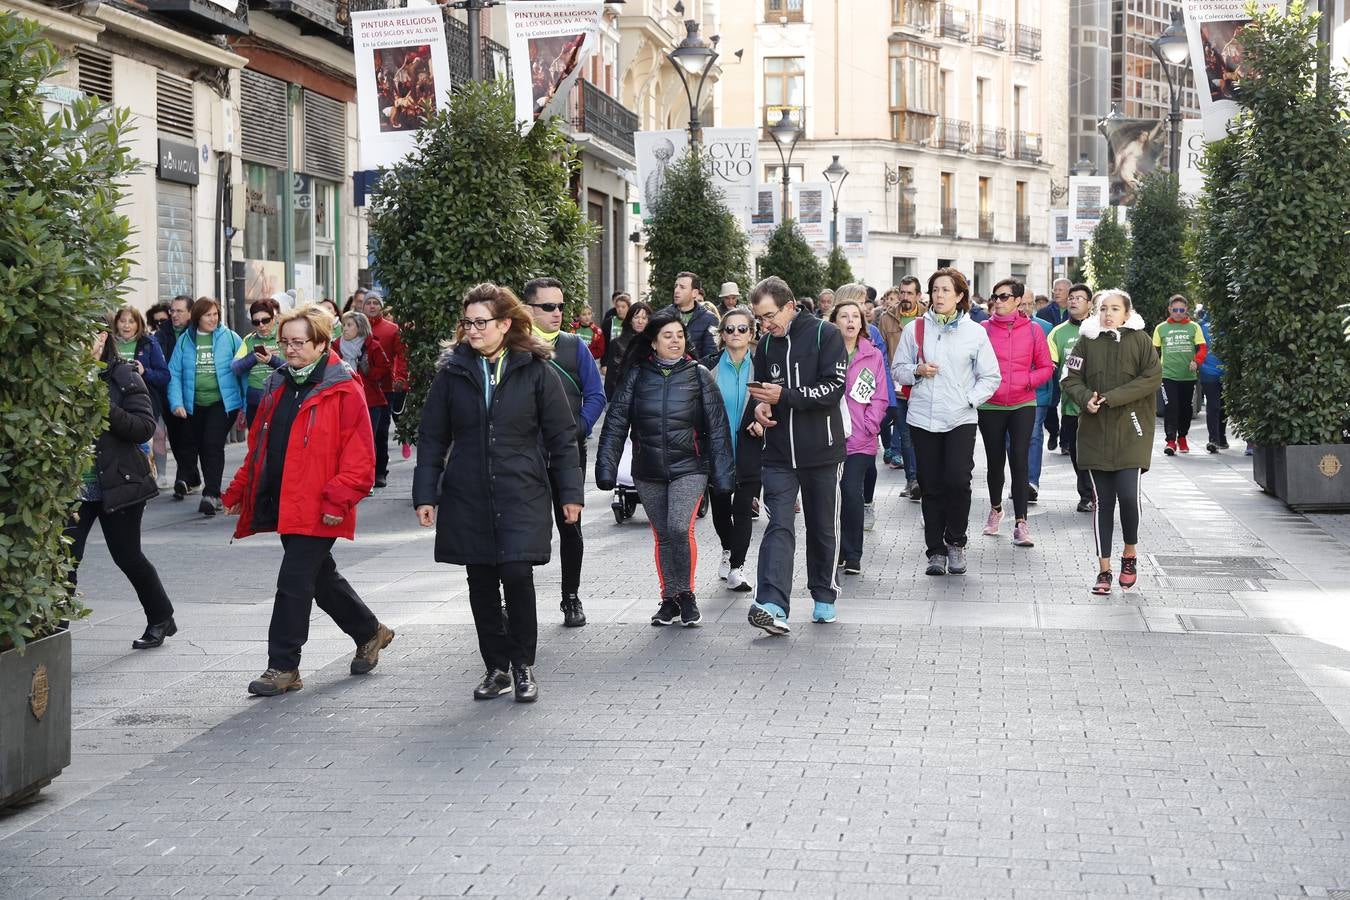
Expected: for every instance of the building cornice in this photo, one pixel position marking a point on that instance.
(62, 26)
(175, 42)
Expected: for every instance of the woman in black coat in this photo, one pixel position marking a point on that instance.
(115, 491)
(612, 363)
(680, 438)
(483, 472)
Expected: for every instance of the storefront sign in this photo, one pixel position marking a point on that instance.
(177, 162)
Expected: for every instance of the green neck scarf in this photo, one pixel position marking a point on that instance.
(300, 376)
(949, 318)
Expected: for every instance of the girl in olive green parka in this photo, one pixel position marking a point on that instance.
(1113, 374)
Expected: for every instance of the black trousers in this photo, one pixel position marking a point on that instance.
(379, 424)
(852, 495)
(179, 432)
(1007, 439)
(1216, 423)
(1052, 418)
(210, 427)
(122, 533)
(308, 575)
(571, 547)
(1178, 407)
(1110, 487)
(731, 520)
(512, 638)
(1068, 439)
(946, 462)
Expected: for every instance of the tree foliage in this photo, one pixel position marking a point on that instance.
(837, 269)
(1273, 255)
(64, 261)
(478, 201)
(692, 230)
(1108, 252)
(1157, 265)
(789, 256)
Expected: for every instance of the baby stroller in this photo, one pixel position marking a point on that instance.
(625, 501)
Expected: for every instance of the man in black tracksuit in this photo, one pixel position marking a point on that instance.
(800, 367)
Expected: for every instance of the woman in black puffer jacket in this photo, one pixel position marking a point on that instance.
(680, 438)
(115, 491)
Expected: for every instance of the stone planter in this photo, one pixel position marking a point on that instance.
(34, 716)
(1308, 478)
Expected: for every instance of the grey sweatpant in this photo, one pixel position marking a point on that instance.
(672, 509)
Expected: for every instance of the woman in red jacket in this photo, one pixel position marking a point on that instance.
(365, 356)
(310, 460)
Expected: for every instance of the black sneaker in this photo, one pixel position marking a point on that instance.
(1084, 506)
(573, 615)
(381, 482)
(1033, 493)
(690, 617)
(852, 567)
(1212, 447)
(494, 684)
(916, 493)
(206, 507)
(527, 689)
(1053, 442)
(1223, 444)
(666, 613)
(180, 489)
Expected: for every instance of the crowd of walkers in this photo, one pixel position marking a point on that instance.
(775, 405)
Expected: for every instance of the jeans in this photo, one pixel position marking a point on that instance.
(731, 520)
(179, 433)
(379, 424)
(252, 400)
(946, 462)
(819, 486)
(888, 428)
(1215, 420)
(902, 440)
(571, 547)
(1036, 455)
(122, 534)
(672, 510)
(210, 427)
(1107, 488)
(510, 638)
(1068, 439)
(851, 498)
(1007, 439)
(309, 575)
(1178, 408)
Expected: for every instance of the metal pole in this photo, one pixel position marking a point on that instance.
(472, 7)
(785, 186)
(1174, 150)
(834, 222)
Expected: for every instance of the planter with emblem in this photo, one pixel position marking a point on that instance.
(1308, 478)
(34, 716)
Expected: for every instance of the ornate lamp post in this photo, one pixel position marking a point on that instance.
(785, 134)
(693, 59)
(1171, 49)
(835, 174)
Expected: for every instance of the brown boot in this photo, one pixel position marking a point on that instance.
(368, 654)
(276, 681)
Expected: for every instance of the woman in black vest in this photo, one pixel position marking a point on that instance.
(115, 491)
(483, 481)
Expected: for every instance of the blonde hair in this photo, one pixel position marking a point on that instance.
(318, 323)
(851, 291)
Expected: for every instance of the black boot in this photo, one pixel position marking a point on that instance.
(527, 689)
(573, 615)
(155, 634)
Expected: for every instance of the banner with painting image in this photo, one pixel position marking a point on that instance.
(402, 79)
(853, 233)
(1213, 28)
(549, 42)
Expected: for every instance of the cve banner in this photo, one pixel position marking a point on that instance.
(549, 41)
(402, 78)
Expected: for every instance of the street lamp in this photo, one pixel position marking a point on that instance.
(693, 58)
(1171, 49)
(835, 174)
(785, 134)
(1084, 166)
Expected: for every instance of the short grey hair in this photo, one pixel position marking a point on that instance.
(352, 317)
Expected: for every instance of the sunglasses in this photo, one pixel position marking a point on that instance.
(733, 329)
(159, 322)
(1001, 297)
(264, 320)
(548, 307)
(1178, 309)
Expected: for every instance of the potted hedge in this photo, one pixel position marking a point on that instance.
(1273, 259)
(63, 261)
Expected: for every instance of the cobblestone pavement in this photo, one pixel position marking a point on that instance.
(1002, 734)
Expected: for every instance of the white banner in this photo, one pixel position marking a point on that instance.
(733, 158)
(1087, 199)
(1212, 29)
(655, 152)
(1192, 155)
(811, 210)
(402, 77)
(766, 214)
(549, 41)
(1061, 239)
(853, 233)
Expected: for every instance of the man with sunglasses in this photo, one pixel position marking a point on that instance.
(1181, 344)
(179, 432)
(585, 392)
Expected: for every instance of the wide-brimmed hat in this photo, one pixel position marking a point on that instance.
(729, 289)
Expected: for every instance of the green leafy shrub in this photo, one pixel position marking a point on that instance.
(1108, 253)
(1157, 265)
(478, 201)
(692, 230)
(64, 251)
(837, 269)
(789, 256)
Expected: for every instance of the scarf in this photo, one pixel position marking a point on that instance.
(948, 318)
(734, 383)
(351, 351)
(548, 337)
(300, 376)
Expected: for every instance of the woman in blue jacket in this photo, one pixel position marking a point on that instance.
(204, 390)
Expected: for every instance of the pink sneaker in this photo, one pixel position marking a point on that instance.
(1022, 535)
(991, 523)
(407, 451)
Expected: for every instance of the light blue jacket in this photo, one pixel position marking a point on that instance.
(183, 370)
(968, 372)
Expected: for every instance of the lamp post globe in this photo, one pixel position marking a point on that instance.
(835, 173)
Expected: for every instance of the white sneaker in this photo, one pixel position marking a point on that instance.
(724, 569)
(736, 582)
(869, 517)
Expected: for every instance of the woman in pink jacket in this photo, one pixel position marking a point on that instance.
(865, 399)
(1007, 419)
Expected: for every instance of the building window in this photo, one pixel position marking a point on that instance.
(774, 174)
(780, 10)
(914, 77)
(920, 15)
(784, 88)
(901, 266)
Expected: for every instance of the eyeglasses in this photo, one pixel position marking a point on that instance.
(769, 317)
(999, 298)
(294, 344)
(261, 321)
(548, 307)
(478, 324)
(733, 329)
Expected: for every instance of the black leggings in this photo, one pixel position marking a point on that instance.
(1007, 437)
(1178, 408)
(509, 638)
(1107, 488)
(122, 534)
(732, 520)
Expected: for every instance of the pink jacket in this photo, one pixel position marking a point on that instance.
(1023, 359)
(865, 417)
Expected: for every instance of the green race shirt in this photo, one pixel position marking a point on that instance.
(1062, 338)
(257, 376)
(1176, 343)
(127, 349)
(207, 389)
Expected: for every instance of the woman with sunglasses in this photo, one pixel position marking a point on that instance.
(496, 433)
(733, 368)
(258, 354)
(1007, 418)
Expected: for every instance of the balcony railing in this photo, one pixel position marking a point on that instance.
(203, 15)
(993, 32)
(949, 221)
(991, 141)
(951, 134)
(1027, 146)
(908, 222)
(955, 22)
(1028, 41)
(919, 15)
(601, 116)
(457, 47)
(1024, 229)
(986, 226)
(911, 128)
(318, 17)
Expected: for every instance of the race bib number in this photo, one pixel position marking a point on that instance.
(864, 388)
(1074, 363)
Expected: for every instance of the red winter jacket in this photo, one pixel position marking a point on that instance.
(330, 458)
(386, 332)
(377, 370)
(1023, 359)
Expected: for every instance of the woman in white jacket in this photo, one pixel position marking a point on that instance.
(951, 364)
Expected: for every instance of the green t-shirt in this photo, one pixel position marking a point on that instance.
(127, 349)
(257, 376)
(207, 389)
(1062, 338)
(1176, 343)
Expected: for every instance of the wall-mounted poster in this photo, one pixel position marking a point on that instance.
(1062, 241)
(853, 233)
(766, 214)
(810, 208)
(656, 151)
(1212, 29)
(402, 78)
(1087, 199)
(549, 42)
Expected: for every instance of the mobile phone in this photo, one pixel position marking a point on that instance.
(756, 384)
(261, 350)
